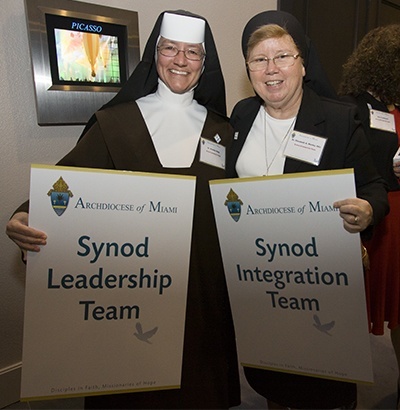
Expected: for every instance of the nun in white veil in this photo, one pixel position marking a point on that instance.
(174, 99)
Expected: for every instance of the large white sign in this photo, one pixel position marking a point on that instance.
(294, 274)
(106, 297)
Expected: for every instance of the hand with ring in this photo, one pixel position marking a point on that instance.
(356, 213)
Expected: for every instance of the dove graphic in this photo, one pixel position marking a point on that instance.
(323, 327)
(144, 337)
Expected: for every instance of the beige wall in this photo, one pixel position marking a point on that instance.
(23, 142)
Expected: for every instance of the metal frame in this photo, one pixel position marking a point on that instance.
(71, 106)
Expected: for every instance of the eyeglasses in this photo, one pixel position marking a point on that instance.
(281, 61)
(190, 53)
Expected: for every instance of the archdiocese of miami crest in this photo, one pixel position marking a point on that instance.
(59, 196)
(234, 205)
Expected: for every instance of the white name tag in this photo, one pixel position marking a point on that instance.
(396, 158)
(382, 120)
(212, 153)
(305, 147)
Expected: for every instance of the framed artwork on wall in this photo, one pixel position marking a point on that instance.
(81, 56)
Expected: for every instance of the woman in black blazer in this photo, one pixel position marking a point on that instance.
(276, 58)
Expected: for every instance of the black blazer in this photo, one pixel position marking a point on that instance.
(383, 144)
(346, 146)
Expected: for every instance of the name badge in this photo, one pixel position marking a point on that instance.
(396, 158)
(212, 153)
(305, 147)
(382, 120)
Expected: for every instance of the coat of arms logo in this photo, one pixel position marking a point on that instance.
(59, 196)
(233, 202)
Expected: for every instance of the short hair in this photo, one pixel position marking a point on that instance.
(267, 32)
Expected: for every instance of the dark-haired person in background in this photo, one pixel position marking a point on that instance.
(371, 79)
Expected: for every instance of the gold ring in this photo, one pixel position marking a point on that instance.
(355, 219)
